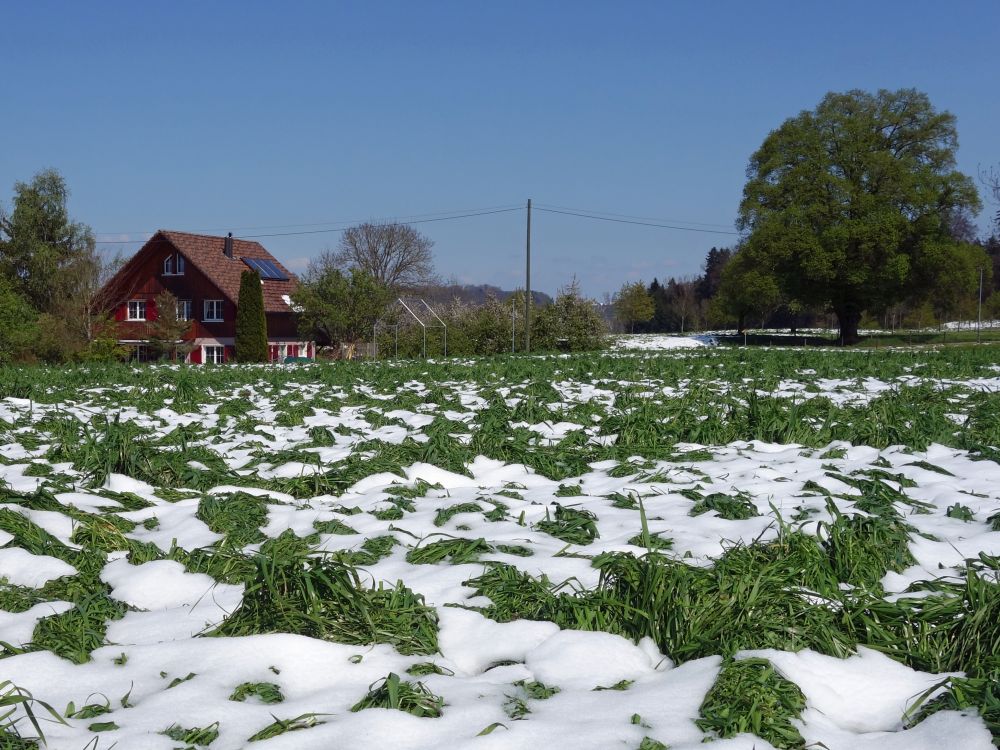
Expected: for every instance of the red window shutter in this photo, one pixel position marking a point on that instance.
(310, 350)
(229, 354)
(196, 355)
(293, 350)
(272, 352)
(121, 312)
(151, 313)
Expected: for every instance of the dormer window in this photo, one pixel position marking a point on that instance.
(173, 265)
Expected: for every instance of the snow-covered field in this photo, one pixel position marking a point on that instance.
(156, 534)
(660, 341)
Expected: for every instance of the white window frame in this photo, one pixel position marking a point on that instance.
(140, 305)
(209, 354)
(184, 309)
(210, 304)
(173, 265)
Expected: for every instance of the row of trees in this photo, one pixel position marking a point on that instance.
(348, 293)
(854, 208)
(570, 323)
(675, 306)
(750, 298)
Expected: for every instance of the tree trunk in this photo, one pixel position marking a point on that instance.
(848, 317)
(741, 324)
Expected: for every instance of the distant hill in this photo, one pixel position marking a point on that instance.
(473, 294)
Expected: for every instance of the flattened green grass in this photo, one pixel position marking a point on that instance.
(237, 516)
(750, 696)
(292, 590)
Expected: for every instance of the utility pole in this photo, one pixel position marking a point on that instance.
(979, 322)
(527, 285)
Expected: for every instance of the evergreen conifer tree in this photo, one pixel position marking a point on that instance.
(251, 324)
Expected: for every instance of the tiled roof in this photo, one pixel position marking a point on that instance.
(206, 253)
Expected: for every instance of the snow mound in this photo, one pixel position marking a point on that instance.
(473, 642)
(575, 659)
(22, 568)
(661, 342)
(868, 692)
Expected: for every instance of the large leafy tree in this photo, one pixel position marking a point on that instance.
(42, 252)
(251, 321)
(339, 308)
(849, 204)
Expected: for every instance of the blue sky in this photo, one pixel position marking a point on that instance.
(217, 116)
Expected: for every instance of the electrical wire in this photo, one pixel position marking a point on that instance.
(659, 220)
(338, 226)
(416, 221)
(453, 215)
(637, 223)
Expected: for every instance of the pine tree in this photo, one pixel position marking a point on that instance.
(251, 323)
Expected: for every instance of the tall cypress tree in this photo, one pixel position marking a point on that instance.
(251, 324)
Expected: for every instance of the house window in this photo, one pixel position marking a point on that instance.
(173, 265)
(213, 311)
(137, 309)
(183, 309)
(214, 355)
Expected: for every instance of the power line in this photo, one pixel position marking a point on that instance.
(416, 221)
(638, 223)
(659, 220)
(339, 226)
(331, 227)
(323, 223)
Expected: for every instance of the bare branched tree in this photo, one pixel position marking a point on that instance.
(991, 181)
(394, 255)
(683, 300)
(80, 305)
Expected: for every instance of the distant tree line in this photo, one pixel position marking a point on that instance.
(738, 298)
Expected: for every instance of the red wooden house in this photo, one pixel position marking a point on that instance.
(203, 273)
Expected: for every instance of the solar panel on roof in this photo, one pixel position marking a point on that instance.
(266, 269)
(272, 270)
